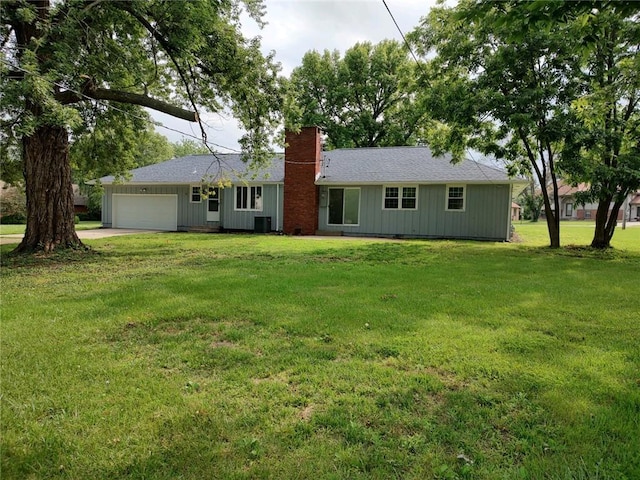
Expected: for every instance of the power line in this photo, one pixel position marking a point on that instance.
(406, 42)
(155, 123)
(130, 114)
(219, 160)
(400, 30)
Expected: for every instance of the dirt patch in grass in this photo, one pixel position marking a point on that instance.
(306, 413)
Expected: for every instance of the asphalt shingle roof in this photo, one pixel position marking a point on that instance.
(193, 169)
(342, 166)
(402, 164)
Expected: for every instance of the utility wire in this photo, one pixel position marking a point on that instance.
(152, 122)
(132, 115)
(400, 30)
(406, 42)
(216, 158)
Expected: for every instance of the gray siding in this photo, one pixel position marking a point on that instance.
(486, 215)
(195, 214)
(272, 206)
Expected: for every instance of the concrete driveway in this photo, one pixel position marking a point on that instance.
(84, 234)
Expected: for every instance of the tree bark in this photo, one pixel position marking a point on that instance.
(68, 97)
(553, 225)
(50, 209)
(551, 214)
(600, 233)
(606, 222)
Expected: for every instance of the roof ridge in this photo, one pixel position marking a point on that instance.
(376, 148)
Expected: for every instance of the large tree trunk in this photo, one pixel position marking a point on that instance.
(553, 219)
(553, 227)
(50, 212)
(605, 223)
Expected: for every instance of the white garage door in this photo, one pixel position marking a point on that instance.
(147, 212)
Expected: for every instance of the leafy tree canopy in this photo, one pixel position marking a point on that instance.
(188, 146)
(117, 144)
(91, 65)
(363, 99)
(545, 85)
(605, 149)
(499, 87)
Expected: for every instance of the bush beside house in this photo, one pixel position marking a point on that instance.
(13, 205)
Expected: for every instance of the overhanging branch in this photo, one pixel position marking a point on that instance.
(67, 97)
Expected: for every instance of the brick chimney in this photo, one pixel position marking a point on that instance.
(302, 156)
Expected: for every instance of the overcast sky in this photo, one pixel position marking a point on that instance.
(297, 26)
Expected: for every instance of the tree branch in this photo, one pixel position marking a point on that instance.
(91, 5)
(171, 53)
(67, 97)
(15, 75)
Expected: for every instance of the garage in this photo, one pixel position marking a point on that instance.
(146, 212)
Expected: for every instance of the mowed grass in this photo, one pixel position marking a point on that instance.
(244, 356)
(19, 229)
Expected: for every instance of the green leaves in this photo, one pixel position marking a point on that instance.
(554, 83)
(189, 54)
(187, 146)
(366, 98)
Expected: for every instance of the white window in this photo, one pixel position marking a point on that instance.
(344, 206)
(455, 198)
(196, 194)
(249, 198)
(400, 198)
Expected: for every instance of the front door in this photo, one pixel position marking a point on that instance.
(213, 205)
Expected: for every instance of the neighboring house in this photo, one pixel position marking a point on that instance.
(515, 211)
(634, 207)
(80, 201)
(571, 210)
(395, 191)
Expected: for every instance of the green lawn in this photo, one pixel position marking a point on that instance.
(573, 233)
(198, 356)
(19, 229)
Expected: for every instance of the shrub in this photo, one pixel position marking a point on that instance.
(94, 205)
(532, 204)
(13, 207)
(90, 216)
(13, 219)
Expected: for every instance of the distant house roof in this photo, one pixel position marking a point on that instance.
(514, 205)
(566, 190)
(635, 200)
(79, 199)
(342, 166)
